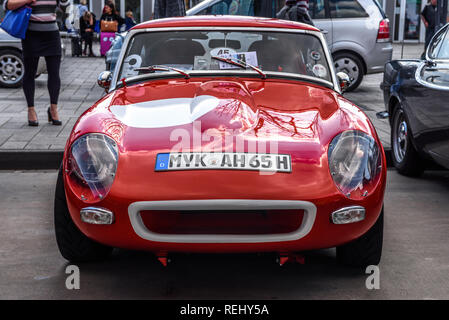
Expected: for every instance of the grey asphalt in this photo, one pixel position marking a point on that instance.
(415, 261)
(79, 91)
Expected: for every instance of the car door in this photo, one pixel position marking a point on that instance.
(429, 104)
(319, 12)
(351, 23)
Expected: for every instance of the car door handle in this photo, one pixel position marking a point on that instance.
(324, 31)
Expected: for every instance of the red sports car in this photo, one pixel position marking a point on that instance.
(222, 134)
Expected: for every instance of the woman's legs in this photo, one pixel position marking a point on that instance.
(28, 85)
(85, 42)
(89, 42)
(54, 83)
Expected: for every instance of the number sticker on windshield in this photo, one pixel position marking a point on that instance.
(132, 62)
(222, 51)
(245, 57)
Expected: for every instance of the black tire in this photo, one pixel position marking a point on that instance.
(352, 65)
(72, 243)
(405, 158)
(366, 250)
(11, 68)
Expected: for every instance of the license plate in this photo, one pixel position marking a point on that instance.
(223, 161)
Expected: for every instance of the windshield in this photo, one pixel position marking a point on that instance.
(296, 53)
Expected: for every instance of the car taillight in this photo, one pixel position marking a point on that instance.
(384, 31)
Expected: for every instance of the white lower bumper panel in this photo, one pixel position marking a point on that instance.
(223, 204)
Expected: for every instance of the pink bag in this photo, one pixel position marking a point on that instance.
(105, 41)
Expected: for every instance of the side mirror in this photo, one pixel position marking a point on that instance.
(343, 80)
(429, 74)
(104, 79)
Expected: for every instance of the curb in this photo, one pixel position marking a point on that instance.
(30, 160)
(39, 160)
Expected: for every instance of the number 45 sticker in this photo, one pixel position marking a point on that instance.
(222, 51)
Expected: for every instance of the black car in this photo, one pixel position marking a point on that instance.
(416, 95)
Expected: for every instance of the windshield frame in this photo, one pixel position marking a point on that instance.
(116, 83)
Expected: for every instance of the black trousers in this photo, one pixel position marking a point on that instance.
(429, 34)
(53, 83)
(87, 37)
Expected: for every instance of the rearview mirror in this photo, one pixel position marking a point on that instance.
(104, 80)
(343, 80)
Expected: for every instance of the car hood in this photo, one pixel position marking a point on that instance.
(248, 115)
(156, 115)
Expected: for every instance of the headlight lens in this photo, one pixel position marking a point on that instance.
(92, 165)
(355, 163)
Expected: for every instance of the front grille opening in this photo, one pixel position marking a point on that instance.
(232, 222)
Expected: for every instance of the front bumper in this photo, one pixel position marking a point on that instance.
(316, 229)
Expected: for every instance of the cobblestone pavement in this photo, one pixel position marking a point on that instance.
(79, 91)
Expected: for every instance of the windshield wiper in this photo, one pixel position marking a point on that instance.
(152, 69)
(241, 64)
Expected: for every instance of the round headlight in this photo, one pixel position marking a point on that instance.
(355, 163)
(92, 165)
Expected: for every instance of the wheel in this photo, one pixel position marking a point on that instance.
(11, 68)
(405, 157)
(72, 243)
(366, 250)
(351, 65)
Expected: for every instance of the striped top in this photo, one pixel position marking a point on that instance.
(43, 15)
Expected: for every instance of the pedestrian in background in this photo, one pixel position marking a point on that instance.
(110, 14)
(82, 8)
(129, 20)
(295, 10)
(87, 26)
(42, 40)
(110, 23)
(429, 18)
(169, 8)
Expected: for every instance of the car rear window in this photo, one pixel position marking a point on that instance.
(346, 9)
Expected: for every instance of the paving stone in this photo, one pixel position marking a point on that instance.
(14, 145)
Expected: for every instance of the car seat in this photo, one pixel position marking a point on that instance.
(274, 55)
(176, 51)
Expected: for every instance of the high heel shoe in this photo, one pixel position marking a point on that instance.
(53, 121)
(33, 123)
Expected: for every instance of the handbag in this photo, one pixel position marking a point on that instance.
(109, 26)
(16, 22)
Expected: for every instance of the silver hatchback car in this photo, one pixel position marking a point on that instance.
(357, 31)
